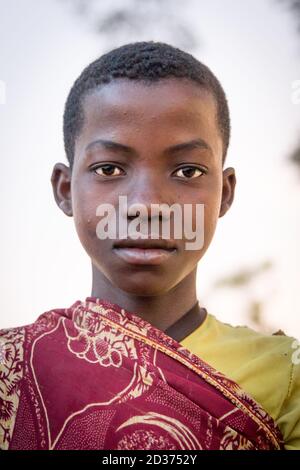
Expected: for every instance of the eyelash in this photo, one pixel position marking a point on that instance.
(103, 166)
(202, 170)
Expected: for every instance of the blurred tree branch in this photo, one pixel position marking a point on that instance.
(295, 156)
(245, 279)
(294, 7)
(125, 21)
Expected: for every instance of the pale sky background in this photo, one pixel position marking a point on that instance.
(253, 48)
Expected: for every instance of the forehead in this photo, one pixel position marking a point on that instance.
(166, 110)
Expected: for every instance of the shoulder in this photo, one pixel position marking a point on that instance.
(11, 375)
(269, 366)
(259, 342)
(266, 366)
(14, 341)
(15, 348)
(269, 357)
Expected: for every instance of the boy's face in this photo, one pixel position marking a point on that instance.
(150, 119)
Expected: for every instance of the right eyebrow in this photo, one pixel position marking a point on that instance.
(111, 145)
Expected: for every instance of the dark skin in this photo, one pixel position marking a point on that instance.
(149, 119)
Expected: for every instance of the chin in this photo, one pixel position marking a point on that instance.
(144, 286)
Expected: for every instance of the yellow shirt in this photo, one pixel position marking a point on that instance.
(265, 366)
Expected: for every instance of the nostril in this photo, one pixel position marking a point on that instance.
(133, 216)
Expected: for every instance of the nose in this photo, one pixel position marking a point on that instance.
(148, 188)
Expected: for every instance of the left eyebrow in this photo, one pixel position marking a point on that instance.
(191, 145)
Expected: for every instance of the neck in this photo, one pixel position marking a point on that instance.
(162, 311)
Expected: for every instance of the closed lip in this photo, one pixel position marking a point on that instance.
(162, 244)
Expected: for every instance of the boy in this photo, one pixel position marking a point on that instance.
(139, 364)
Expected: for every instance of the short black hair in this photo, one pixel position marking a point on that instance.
(144, 61)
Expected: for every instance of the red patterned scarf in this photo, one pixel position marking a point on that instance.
(95, 376)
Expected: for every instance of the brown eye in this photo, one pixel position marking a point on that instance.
(108, 170)
(189, 172)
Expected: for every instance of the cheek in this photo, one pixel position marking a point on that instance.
(211, 212)
(85, 218)
(210, 224)
(212, 203)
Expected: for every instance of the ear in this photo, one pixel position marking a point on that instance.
(61, 184)
(229, 182)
